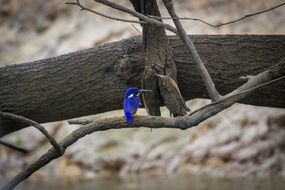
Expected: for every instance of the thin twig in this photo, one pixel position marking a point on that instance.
(43, 141)
(83, 8)
(27, 121)
(8, 145)
(138, 15)
(221, 24)
(145, 19)
(210, 86)
(183, 123)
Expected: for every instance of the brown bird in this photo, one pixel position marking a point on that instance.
(173, 100)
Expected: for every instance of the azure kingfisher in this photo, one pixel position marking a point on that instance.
(132, 102)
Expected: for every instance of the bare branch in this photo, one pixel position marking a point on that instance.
(279, 69)
(79, 121)
(183, 123)
(22, 78)
(44, 140)
(83, 8)
(224, 23)
(144, 19)
(138, 15)
(213, 93)
(8, 145)
(27, 121)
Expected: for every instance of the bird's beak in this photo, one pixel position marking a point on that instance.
(144, 90)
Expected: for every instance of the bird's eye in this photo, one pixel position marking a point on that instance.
(131, 95)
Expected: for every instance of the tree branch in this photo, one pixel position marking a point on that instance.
(138, 15)
(83, 8)
(278, 69)
(8, 145)
(213, 93)
(10, 116)
(104, 72)
(79, 121)
(210, 86)
(221, 24)
(183, 122)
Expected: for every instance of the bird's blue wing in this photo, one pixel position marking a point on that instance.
(128, 112)
(130, 108)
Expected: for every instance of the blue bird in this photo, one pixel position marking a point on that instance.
(132, 102)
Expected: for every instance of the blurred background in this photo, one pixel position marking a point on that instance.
(243, 147)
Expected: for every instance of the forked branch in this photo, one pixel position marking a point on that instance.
(83, 8)
(138, 15)
(210, 86)
(27, 121)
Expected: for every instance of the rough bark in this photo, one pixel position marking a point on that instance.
(93, 81)
(153, 47)
(158, 60)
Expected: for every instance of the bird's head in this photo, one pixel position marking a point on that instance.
(134, 92)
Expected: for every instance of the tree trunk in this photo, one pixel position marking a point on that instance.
(94, 80)
(158, 60)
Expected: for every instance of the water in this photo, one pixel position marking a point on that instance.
(149, 182)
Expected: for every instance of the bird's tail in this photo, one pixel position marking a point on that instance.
(129, 118)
